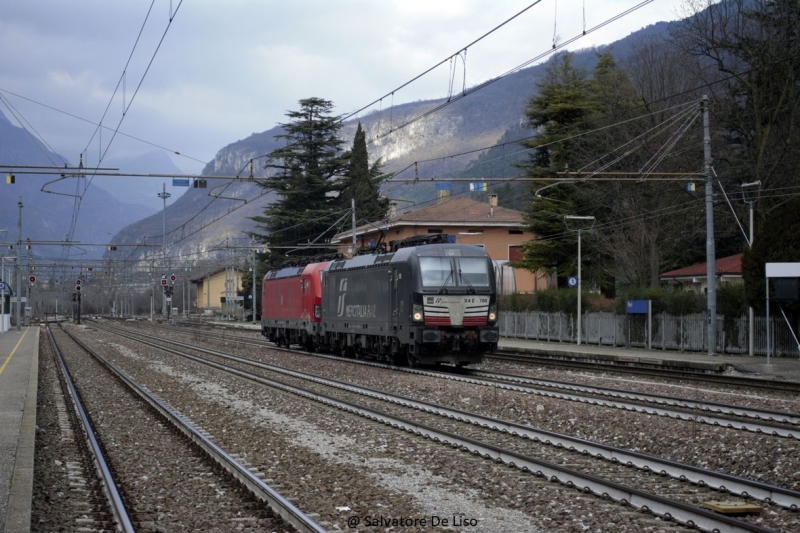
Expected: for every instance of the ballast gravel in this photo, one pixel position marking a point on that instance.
(340, 468)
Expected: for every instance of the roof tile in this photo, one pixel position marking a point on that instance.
(731, 265)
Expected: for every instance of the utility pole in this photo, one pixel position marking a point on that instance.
(254, 286)
(27, 285)
(750, 202)
(711, 267)
(353, 210)
(164, 195)
(17, 261)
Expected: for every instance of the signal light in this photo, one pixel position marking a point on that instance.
(172, 278)
(111, 248)
(164, 282)
(11, 179)
(32, 279)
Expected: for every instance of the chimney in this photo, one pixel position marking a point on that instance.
(444, 195)
(493, 200)
(392, 210)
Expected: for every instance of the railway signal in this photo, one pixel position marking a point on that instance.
(78, 285)
(163, 282)
(172, 278)
(32, 279)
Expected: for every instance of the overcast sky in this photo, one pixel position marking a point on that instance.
(226, 69)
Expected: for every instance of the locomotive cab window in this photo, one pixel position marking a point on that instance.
(436, 272)
(474, 271)
(440, 272)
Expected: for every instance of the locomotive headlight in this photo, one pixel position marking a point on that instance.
(492, 313)
(416, 313)
(317, 311)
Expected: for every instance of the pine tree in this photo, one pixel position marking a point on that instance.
(308, 178)
(564, 101)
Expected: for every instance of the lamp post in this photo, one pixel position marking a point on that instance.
(581, 221)
(164, 195)
(750, 200)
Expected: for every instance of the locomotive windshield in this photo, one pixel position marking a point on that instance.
(444, 272)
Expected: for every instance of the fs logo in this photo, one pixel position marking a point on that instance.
(342, 295)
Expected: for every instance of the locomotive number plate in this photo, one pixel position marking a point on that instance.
(452, 299)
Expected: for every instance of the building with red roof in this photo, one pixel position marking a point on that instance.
(693, 278)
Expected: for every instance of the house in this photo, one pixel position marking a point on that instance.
(496, 229)
(216, 291)
(693, 278)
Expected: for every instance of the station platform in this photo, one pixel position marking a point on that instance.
(778, 368)
(19, 370)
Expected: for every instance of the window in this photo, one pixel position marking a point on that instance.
(474, 271)
(438, 272)
(515, 232)
(435, 230)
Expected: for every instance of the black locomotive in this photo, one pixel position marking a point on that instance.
(428, 304)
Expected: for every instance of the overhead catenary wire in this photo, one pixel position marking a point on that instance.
(121, 133)
(78, 200)
(512, 71)
(121, 79)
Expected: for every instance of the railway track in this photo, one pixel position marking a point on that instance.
(771, 385)
(770, 422)
(200, 467)
(85, 480)
(741, 382)
(509, 442)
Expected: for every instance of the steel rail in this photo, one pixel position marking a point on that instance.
(115, 503)
(520, 386)
(625, 368)
(747, 412)
(660, 506)
(282, 507)
(780, 496)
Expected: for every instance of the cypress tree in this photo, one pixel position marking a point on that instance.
(363, 182)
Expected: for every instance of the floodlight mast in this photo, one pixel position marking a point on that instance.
(579, 230)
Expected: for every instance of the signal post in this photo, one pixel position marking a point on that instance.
(76, 299)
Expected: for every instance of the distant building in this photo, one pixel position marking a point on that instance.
(215, 290)
(693, 278)
(496, 229)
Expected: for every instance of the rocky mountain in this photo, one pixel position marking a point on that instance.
(210, 223)
(49, 200)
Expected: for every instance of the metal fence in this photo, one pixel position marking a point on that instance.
(684, 333)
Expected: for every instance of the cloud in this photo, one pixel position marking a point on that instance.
(227, 69)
